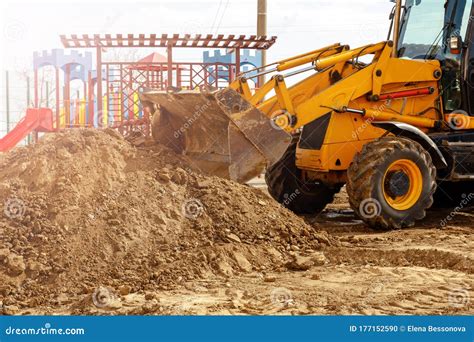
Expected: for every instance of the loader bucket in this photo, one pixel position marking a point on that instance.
(222, 133)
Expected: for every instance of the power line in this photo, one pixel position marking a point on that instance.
(222, 16)
(217, 14)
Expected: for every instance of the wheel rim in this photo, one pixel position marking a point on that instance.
(402, 184)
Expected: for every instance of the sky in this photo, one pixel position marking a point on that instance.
(300, 25)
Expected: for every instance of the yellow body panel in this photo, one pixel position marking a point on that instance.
(341, 83)
(336, 157)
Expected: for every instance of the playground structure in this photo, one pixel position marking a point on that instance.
(109, 94)
(74, 66)
(121, 82)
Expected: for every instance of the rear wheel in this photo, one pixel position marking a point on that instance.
(391, 183)
(286, 185)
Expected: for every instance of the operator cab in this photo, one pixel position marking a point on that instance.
(431, 30)
(428, 32)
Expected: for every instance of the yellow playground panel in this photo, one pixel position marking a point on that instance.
(113, 112)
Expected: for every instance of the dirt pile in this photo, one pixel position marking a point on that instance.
(85, 210)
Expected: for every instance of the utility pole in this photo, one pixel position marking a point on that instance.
(262, 31)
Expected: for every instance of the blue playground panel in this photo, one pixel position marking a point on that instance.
(248, 60)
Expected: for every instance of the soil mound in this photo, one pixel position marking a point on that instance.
(85, 210)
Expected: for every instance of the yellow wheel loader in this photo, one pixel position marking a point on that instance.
(390, 120)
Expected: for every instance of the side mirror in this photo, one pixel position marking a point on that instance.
(455, 45)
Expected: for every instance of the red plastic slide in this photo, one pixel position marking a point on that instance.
(36, 119)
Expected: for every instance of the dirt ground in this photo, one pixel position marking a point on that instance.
(137, 231)
(424, 270)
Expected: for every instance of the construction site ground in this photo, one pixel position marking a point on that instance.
(94, 225)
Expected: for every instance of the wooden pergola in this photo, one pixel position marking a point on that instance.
(207, 41)
(165, 40)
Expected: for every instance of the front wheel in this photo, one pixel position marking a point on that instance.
(391, 183)
(286, 186)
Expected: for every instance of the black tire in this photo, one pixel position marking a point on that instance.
(286, 186)
(367, 185)
(452, 194)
